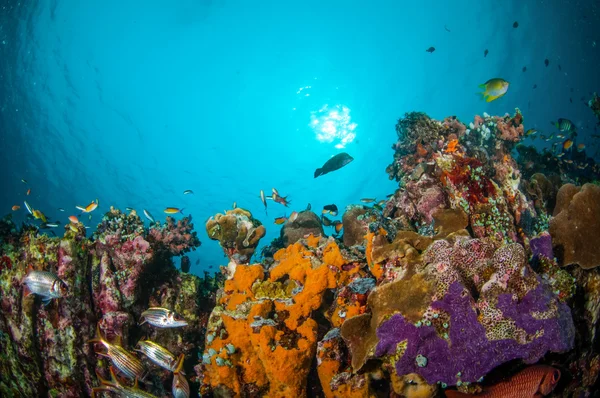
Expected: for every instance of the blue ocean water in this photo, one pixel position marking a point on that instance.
(134, 102)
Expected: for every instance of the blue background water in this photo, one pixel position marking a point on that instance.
(133, 102)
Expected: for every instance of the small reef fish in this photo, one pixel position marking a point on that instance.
(330, 209)
(73, 228)
(326, 221)
(28, 192)
(24, 181)
(280, 220)
(338, 226)
(516, 24)
(546, 62)
(50, 225)
(580, 147)
(282, 200)
(45, 284)
(560, 136)
(115, 386)
(534, 381)
(162, 318)
(123, 360)
(524, 69)
(494, 89)
(157, 354)
(129, 208)
(89, 208)
(188, 192)
(308, 207)
(149, 216)
(567, 144)
(15, 208)
(564, 125)
(61, 209)
(74, 219)
(275, 193)
(263, 199)
(173, 210)
(368, 200)
(430, 50)
(530, 132)
(335, 163)
(234, 206)
(38, 215)
(180, 387)
(293, 216)
(485, 53)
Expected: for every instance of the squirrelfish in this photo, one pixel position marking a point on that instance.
(280, 220)
(534, 381)
(162, 318)
(149, 216)
(39, 215)
(123, 360)
(173, 210)
(180, 387)
(115, 386)
(494, 89)
(157, 354)
(45, 284)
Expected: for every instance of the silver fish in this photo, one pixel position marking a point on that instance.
(157, 354)
(162, 318)
(148, 215)
(180, 387)
(45, 284)
(123, 360)
(114, 385)
(29, 208)
(188, 191)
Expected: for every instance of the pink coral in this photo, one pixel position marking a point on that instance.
(174, 237)
(511, 129)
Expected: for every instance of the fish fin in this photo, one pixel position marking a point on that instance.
(179, 364)
(98, 338)
(318, 172)
(482, 85)
(456, 394)
(490, 98)
(46, 301)
(142, 321)
(181, 211)
(481, 95)
(26, 291)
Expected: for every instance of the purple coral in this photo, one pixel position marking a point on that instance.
(175, 237)
(541, 245)
(467, 354)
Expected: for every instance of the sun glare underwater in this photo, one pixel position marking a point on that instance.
(249, 185)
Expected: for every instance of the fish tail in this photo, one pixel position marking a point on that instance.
(98, 338)
(318, 172)
(179, 364)
(181, 211)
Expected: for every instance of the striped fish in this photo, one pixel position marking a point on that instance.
(123, 360)
(564, 125)
(180, 388)
(113, 385)
(44, 284)
(162, 318)
(157, 354)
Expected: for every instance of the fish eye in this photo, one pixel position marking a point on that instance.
(556, 376)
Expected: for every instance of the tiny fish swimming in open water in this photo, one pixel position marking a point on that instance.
(516, 24)
(532, 382)
(38, 215)
(580, 147)
(494, 89)
(331, 209)
(335, 163)
(485, 53)
(368, 200)
(430, 50)
(188, 192)
(546, 62)
(149, 216)
(564, 125)
(45, 284)
(567, 144)
(263, 199)
(326, 221)
(280, 220)
(15, 208)
(180, 387)
(162, 318)
(173, 210)
(89, 208)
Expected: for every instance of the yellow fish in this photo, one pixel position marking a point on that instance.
(173, 210)
(494, 89)
(39, 215)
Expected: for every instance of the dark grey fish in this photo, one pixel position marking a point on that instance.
(333, 164)
(430, 49)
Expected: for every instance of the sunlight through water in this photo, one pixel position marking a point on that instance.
(333, 125)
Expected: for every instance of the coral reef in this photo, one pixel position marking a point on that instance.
(575, 227)
(237, 232)
(305, 224)
(111, 279)
(594, 104)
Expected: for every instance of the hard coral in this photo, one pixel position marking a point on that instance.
(173, 237)
(305, 224)
(237, 232)
(575, 227)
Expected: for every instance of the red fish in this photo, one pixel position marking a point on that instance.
(532, 382)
